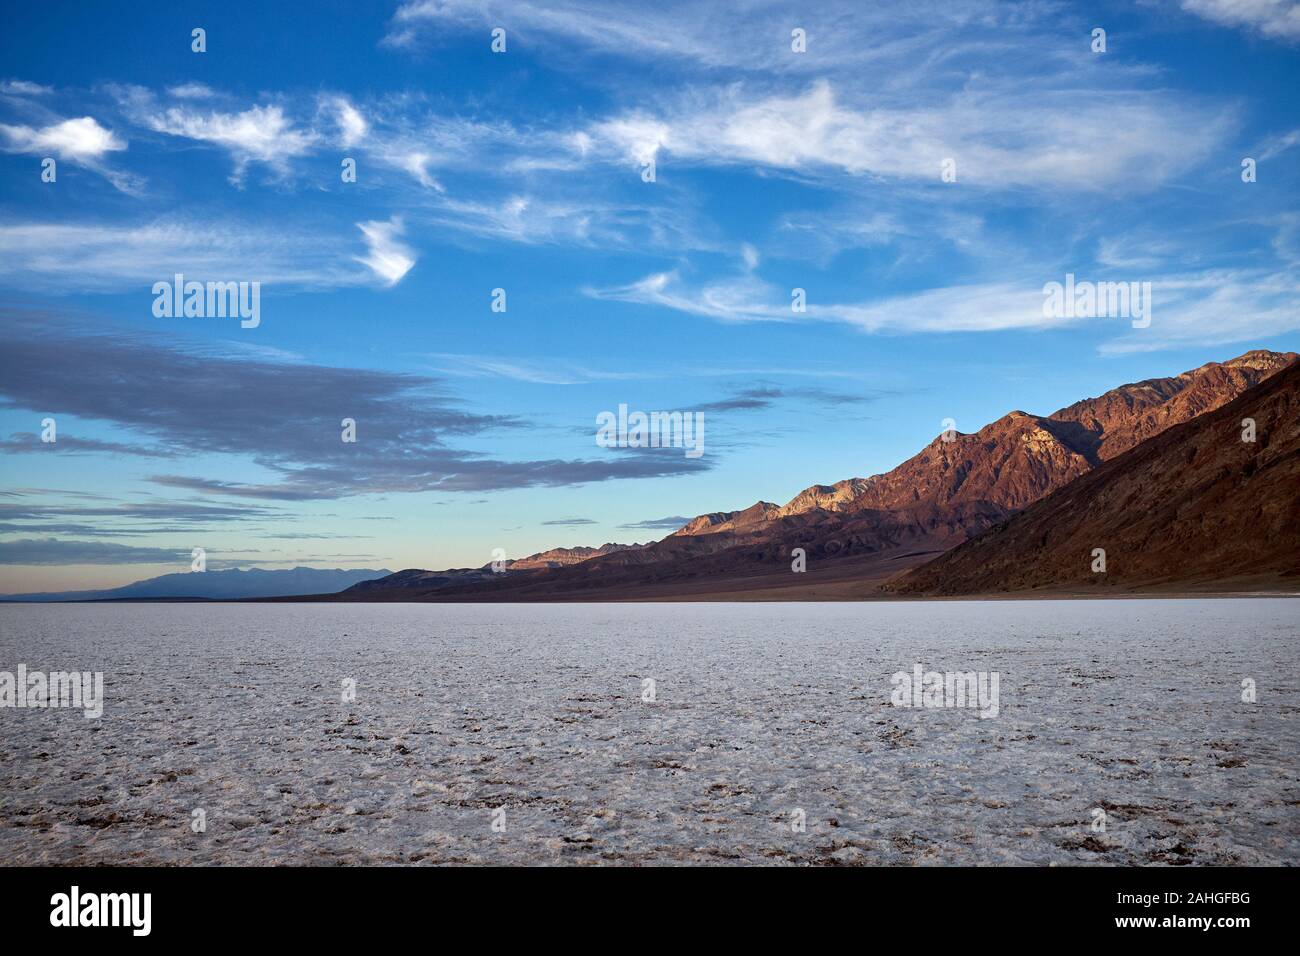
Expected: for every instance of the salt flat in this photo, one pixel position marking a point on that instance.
(1130, 707)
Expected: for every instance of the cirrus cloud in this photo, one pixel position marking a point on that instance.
(387, 257)
(1279, 19)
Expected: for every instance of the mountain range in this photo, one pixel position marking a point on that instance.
(229, 584)
(859, 532)
(416, 579)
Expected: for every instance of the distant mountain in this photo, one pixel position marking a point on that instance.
(230, 584)
(956, 487)
(416, 579)
(412, 580)
(1193, 507)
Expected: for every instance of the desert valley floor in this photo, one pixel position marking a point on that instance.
(1133, 708)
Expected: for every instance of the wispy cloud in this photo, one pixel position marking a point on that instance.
(35, 513)
(54, 551)
(583, 221)
(259, 134)
(1044, 139)
(110, 257)
(742, 299)
(1215, 307)
(23, 88)
(1279, 19)
(1278, 145)
(31, 443)
(671, 523)
(753, 36)
(659, 31)
(191, 91)
(932, 84)
(535, 371)
(238, 489)
(766, 396)
(352, 125)
(1212, 307)
(387, 257)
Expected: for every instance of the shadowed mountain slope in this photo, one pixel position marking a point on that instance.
(1195, 506)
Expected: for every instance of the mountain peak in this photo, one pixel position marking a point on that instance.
(961, 484)
(1129, 414)
(1260, 359)
(1209, 525)
(563, 557)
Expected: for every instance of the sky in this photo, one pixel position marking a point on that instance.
(646, 185)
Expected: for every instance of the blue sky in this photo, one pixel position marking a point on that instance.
(523, 170)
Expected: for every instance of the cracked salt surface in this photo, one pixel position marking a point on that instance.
(1131, 706)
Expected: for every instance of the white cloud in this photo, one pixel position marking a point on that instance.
(582, 221)
(939, 86)
(191, 91)
(1205, 308)
(1279, 19)
(259, 134)
(934, 82)
(24, 88)
(743, 299)
(388, 258)
(111, 258)
(970, 308)
(352, 125)
(75, 139)
(1216, 307)
(1278, 145)
(1043, 138)
(517, 218)
(695, 35)
(637, 135)
(652, 29)
(421, 143)
(1141, 251)
(82, 141)
(417, 164)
